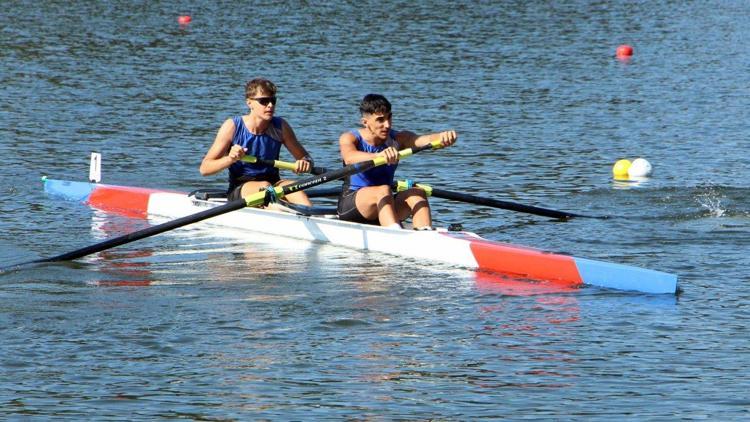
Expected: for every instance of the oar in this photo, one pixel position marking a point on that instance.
(253, 200)
(323, 192)
(279, 164)
(489, 202)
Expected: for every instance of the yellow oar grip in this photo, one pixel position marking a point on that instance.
(259, 198)
(284, 165)
(403, 185)
(379, 161)
(426, 188)
(276, 163)
(437, 144)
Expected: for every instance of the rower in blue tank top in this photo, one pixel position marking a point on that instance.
(266, 145)
(381, 175)
(367, 197)
(261, 134)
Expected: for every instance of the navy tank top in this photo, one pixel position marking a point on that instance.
(381, 175)
(266, 145)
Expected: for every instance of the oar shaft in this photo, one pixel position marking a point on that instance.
(489, 202)
(323, 192)
(253, 200)
(495, 203)
(149, 231)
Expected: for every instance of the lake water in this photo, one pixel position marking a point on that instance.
(203, 325)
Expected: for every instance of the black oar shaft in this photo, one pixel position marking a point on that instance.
(472, 199)
(147, 232)
(495, 203)
(323, 192)
(255, 199)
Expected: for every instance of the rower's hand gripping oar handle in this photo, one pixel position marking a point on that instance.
(284, 165)
(260, 198)
(379, 161)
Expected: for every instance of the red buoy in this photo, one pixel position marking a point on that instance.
(624, 51)
(184, 19)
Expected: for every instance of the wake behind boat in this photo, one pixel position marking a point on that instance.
(458, 248)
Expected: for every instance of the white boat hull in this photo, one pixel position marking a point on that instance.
(463, 249)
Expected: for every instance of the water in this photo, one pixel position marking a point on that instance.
(208, 325)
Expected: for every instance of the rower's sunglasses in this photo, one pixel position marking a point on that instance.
(265, 100)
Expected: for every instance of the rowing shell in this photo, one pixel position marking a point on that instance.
(459, 248)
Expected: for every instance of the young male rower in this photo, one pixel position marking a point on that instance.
(367, 197)
(261, 134)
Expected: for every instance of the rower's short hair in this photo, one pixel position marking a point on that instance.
(264, 85)
(374, 103)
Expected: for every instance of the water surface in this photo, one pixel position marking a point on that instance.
(214, 325)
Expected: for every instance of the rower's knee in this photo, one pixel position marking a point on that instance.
(418, 193)
(416, 198)
(418, 204)
(253, 187)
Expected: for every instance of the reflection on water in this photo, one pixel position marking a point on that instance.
(630, 182)
(125, 268)
(509, 286)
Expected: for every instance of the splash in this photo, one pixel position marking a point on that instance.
(711, 199)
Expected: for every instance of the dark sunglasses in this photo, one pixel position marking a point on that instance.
(265, 100)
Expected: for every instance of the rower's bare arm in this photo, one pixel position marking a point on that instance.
(304, 162)
(351, 155)
(446, 138)
(349, 152)
(220, 156)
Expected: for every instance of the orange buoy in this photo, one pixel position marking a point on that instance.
(184, 19)
(624, 51)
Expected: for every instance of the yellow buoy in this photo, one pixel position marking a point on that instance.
(621, 168)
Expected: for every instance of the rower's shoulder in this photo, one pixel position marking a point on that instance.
(348, 136)
(231, 120)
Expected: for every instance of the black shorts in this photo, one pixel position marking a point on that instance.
(235, 193)
(347, 209)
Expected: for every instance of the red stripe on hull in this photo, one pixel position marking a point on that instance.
(525, 262)
(131, 202)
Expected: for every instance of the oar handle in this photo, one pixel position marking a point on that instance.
(284, 165)
(411, 151)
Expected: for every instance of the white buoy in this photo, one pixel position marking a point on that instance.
(640, 167)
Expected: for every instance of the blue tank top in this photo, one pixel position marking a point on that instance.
(266, 145)
(381, 175)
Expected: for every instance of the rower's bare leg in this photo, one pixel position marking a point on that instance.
(299, 197)
(377, 201)
(249, 188)
(414, 202)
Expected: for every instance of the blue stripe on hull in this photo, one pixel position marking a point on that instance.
(624, 277)
(73, 191)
